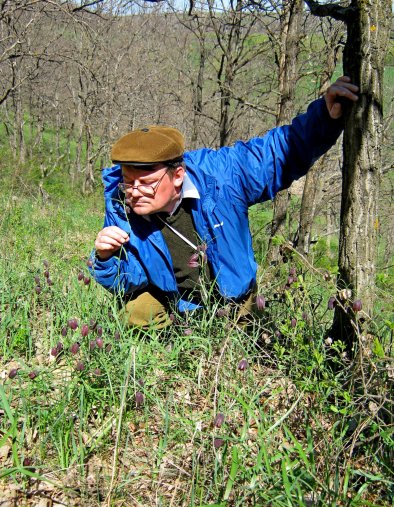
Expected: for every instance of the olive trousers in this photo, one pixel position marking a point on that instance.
(147, 310)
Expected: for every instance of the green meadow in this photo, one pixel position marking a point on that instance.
(205, 413)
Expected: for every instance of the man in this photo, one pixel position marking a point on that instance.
(174, 218)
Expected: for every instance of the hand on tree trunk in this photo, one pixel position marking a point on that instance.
(341, 88)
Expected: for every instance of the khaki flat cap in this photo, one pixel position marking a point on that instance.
(148, 146)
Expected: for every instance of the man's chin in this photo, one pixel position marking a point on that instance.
(141, 209)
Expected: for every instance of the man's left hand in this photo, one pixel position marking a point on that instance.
(341, 88)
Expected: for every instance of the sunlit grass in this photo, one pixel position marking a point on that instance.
(102, 413)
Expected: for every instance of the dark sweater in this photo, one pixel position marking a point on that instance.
(187, 278)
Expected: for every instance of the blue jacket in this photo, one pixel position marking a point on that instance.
(229, 181)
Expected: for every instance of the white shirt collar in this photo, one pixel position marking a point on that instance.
(189, 191)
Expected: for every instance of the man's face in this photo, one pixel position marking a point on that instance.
(166, 188)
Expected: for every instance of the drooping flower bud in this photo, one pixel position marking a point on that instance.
(74, 349)
(219, 420)
(194, 261)
(202, 248)
(54, 351)
(222, 312)
(331, 303)
(260, 302)
(72, 324)
(84, 330)
(80, 366)
(243, 365)
(27, 462)
(13, 373)
(218, 442)
(357, 305)
(139, 399)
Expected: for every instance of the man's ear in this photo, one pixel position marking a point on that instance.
(178, 176)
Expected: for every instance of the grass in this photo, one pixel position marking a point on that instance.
(128, 417)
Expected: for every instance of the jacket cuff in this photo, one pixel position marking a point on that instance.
(98, 263)
(335, 124)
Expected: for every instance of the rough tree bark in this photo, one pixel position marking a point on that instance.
(290, 23)
(368, 24)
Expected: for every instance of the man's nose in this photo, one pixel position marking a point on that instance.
(135, 192)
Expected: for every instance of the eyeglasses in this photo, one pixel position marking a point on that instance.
(146, 190)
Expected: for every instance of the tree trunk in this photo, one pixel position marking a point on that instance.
(19, 122)
(197, 96)
(310, 197)
(88, 182)
(226, 75)
(288, 57)
(331, 225)
(365, 49)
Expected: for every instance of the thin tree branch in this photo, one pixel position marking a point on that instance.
(332, 10)
(85, 5)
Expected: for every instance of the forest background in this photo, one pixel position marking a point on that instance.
(92, 413)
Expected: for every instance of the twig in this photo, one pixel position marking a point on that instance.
(285, 415)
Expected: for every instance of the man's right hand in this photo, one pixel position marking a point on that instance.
(109, 240)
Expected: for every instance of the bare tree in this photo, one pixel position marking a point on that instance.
(228, 81)
(20, 61)
(312, 193)
(287, 60)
